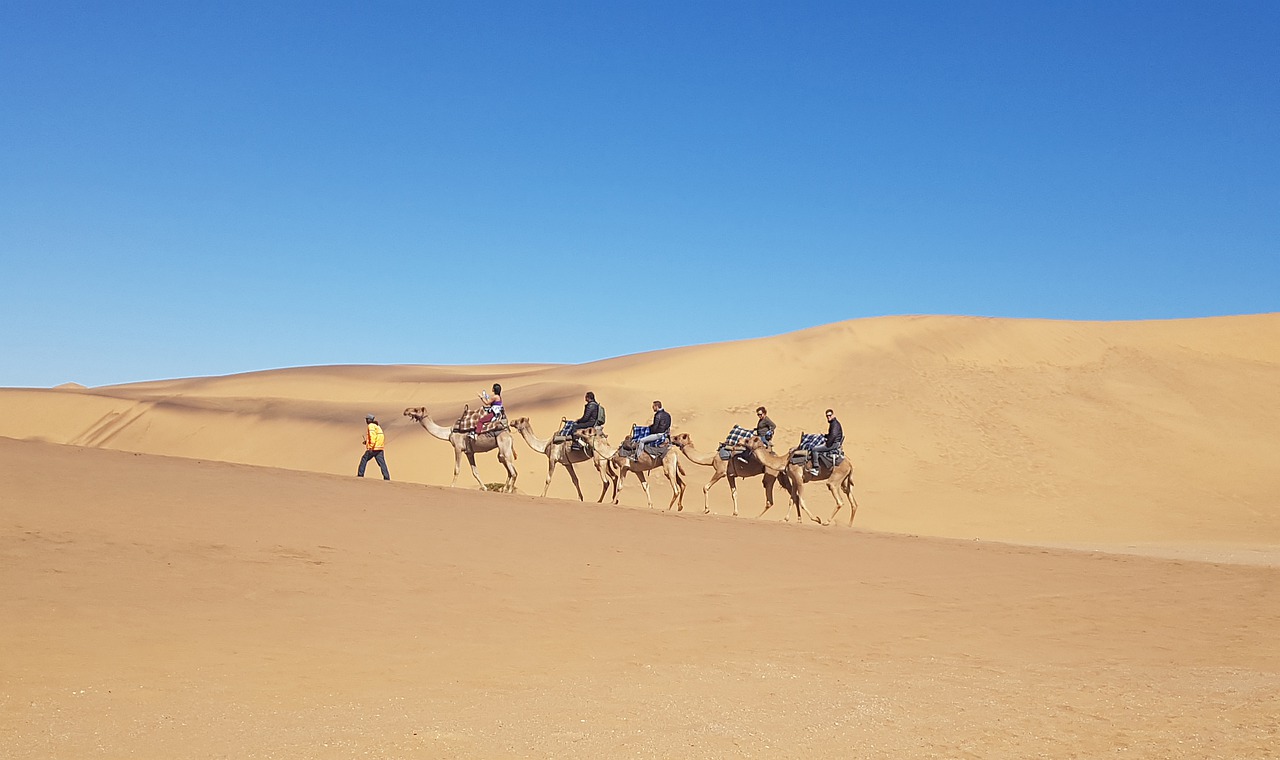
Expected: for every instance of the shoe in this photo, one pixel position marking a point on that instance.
(813, 470)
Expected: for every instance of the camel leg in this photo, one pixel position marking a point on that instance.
(853, 503)
(680, 484)
(796, 490)
(457, 466)
(644, 483)
(619, 480)
(676, 490)
(707, 506)
(551, 469)
(835, 494)
(512, 473)
(733, 493)
(604, 482)
(471, 459)
(800, 507)
(573, 475)
(768, 494)
(767, 505)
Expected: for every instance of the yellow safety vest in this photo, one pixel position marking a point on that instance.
(374, 440)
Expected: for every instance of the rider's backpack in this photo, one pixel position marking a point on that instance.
(599, 415)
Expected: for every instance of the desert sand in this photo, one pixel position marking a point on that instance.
(1067, 545)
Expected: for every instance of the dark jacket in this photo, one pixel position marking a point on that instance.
(765, 428)
(835, 434)
(588, 418)
(661, 422)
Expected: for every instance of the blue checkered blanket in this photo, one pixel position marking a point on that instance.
(812, 440)
(738, 435)
(640, 431)
(568, 428)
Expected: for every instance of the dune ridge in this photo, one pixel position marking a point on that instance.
(1136, 435)
(190, 569)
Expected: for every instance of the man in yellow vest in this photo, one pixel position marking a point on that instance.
(374, 441)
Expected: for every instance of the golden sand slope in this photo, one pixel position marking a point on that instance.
(1150, 436)
(160, 607)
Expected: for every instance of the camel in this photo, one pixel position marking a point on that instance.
(565, 454)
(796, 475)
(462, 444)
(732, 468)
(619, 465)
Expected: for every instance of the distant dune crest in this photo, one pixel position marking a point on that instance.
(1135, 434)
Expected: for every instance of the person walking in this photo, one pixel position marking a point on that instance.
(660, 426)
(834, 440)
(374, 443)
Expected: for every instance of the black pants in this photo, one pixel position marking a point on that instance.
(382, 462)
(820, 448)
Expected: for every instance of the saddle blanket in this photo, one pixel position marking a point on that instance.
(640, 431)
(738, 435)
(812, 440)
(467, 422)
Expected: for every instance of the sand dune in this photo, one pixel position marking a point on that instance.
(163, 607)
(1145, 436)
(189, 568)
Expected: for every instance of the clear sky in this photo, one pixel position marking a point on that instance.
(206, 188)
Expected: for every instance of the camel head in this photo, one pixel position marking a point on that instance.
(521, 423)
(682, 440)
(416, 413)
(754, 442)
(598, 441)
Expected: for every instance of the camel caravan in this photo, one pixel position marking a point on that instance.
(744, 453)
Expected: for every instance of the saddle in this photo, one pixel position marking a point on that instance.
(467, 422)
(656, 450)
(826, 459)
(729, 452)
(565, 433)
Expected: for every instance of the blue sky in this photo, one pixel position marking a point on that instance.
(191, 189)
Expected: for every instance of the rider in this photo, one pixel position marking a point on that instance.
(591, 418)
(661, 425)
(834, 440)
(492, 407)
(765, 427)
